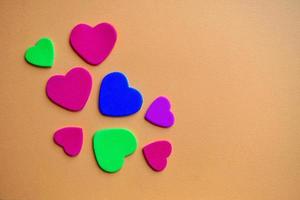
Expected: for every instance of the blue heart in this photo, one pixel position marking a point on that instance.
(116, 98)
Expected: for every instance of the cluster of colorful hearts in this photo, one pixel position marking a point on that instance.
(116, 99)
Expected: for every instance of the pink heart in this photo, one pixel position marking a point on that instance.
(93, 44)
(159, 113)
(70, 139)
(156, 154)
(70, 91)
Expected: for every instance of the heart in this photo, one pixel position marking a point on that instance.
(70, 91)
(156, 154)
(116, 98)
(93, 44)
(42, 54)
(111, 146)
(159, 113)
(70, 139)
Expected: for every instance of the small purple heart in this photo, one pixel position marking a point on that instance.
(156, 154)
(93, 44)
(70, 91)
(70, 139)
(159, 113)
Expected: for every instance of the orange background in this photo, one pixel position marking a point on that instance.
(230, 68)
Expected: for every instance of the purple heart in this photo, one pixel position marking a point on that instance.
(159, 113)
(156, 154)
(70, 139)
(93, 44)
(70, 91)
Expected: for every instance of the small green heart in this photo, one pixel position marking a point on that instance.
(111, 146)
(42, 54)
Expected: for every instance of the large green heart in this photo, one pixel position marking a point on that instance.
(111, 146)
(42, 54)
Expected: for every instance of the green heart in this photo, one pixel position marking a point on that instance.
(42, 54)
(111, 146)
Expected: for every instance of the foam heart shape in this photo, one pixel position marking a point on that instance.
(111, 146)
(42, 54)
(70, 139)
(116, 98)
(156, 154)
(70, 91)
(93, 44)
(159, 113)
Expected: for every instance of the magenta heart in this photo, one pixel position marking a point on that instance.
(156, 154)
(93, 44)
(159, 113)
(70, 139)
(70, 91)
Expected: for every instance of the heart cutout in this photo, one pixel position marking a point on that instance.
(42, 54)
(93, 44)
(156, 154)
(116, 98)
(111, 146)
(70, 91)
(70, 139)
(159, 113)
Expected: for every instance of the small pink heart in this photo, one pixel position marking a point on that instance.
(93, 44)
(70, 139)
(159, 113)
(70, 91)
(156, 154)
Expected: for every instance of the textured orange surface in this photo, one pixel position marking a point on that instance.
(231, 69)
